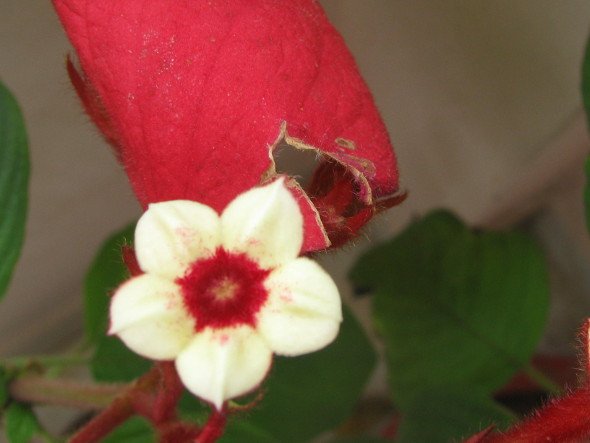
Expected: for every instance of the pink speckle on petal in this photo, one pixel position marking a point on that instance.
(186, 234)
(286, 296)
(223, 339)
(252, 241)
(171, 303)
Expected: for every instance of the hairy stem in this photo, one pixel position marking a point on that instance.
(168, 395)
(101, 425)
(214, 427)
(40, 390)
(121, 408)
(154, 396)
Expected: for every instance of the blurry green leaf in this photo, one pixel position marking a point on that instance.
(4, 381)
(134, 430)
(192, 409)
(360, 440)
(586, 101)
(307, 395)
(586, 80)
(587, 193)
(20, 423)
(113, 361)
(105, 273)
(14, 180)
(240, 430)
(455, 307)
(444, 416)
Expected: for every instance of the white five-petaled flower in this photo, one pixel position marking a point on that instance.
(221, 294)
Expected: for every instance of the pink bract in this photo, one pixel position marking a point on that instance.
(195, 95)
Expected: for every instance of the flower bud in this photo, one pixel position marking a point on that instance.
(195, 96)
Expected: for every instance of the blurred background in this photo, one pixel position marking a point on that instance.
(481, 99)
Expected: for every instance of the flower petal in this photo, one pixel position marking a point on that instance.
(148, 314)
(224, 363)
(265, 223)
(303, 311)
(171, 235)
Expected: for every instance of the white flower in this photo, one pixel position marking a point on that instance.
(220, 294)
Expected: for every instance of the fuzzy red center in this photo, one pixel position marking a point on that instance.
(224, 290)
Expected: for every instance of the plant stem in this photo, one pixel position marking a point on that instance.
(101, 425)
(38, 389)
(121, 408)
(169, 393)
(153, 395)
(214, 427)
(542, 380)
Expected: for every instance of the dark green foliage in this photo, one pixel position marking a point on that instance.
(458, 310)
(14, 184)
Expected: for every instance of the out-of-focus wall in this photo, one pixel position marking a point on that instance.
(471, 91)
(482, 102)
(78, 194)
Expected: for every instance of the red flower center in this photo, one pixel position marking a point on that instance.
(224, 290)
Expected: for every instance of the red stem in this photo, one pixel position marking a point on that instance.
(119, 410)
(214, 427)
(130, 260)
(168, 395)
(176, 432)
(154, 396)
(101, 425)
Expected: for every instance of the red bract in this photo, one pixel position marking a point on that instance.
(196, 95)
(562, 420)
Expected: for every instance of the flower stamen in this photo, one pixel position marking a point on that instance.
(224, 290)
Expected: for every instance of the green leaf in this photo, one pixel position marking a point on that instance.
(113, 361)
(4, 382)
(106, 272)
(192, 409)
(586, 80)
(307, 395)
(134, 430)
(360, 439)
(455, 307)
(587, 193)
(14, 184)
(20, 423)
(446, 415)
(586, 101)
(240, 430)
